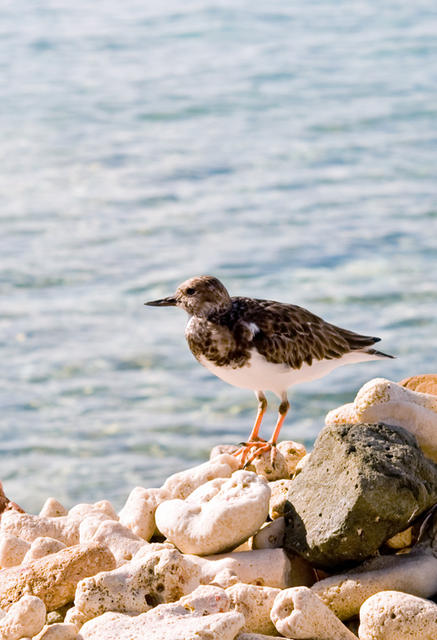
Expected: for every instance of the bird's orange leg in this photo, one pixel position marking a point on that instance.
(271, 444)
(253, 440)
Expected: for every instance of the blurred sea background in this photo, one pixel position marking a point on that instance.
(289, 148)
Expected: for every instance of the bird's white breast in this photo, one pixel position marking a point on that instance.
(260, 375)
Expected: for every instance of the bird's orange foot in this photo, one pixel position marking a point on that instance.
(251, 450)
(260, 449)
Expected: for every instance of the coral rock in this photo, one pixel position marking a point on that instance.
(255, 604)
(425, 383)
(12, 550)
(181, 484)
(42, 547)
(26, 617)
(139, 511)
(55, 577)
(29, 527)
(299, 613)
(52, 508)
(202, 614)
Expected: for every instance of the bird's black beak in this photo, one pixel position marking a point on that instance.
(164, 302)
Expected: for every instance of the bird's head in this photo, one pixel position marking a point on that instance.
(199, 296)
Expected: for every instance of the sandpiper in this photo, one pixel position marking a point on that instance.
(262, 345)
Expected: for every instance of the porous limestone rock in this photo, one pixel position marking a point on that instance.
(84, 509)
(362, 485)
(158, 577)
(269, 464)
(54, 578)
(382, 400)
(120, 540)
(58, 631)
(299, 613)
(263, 567)
(42, 547)
(90, 524)
(52, 508)
(139, 511)
(270, 536)
(258, 636)
(12, 550)
(217, 516)
(255, 604)
(204, 613)
(29, 527)
(293, 453)
(223, 448)
(425, 383)
(181, 484)
(392, 615)
(26, 617)
(414, 573)
(278, 498)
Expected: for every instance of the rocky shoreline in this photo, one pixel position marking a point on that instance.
(333, 545)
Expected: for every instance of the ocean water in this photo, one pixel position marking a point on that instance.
(288, 148)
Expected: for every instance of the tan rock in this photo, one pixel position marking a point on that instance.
(158, 577)
(223, 448)
(29, 527)
(58, 631)
(120, 540)
(401, 540)
(391, 615)
(82, 510)
(90, 524)
(258, 636)
(269, 464)
(54, 578)
(12, 550)
(299, 613)
(263, 567)
(414, 573)
(217, 516)
(270, 536)
(255, 604)
(42, 547)
(25, 617)
(278, 498)
(381, 400)
(52, 508)
(181, 484)
(202, 614)
(425, 383)
(293, 453)
(139, 511)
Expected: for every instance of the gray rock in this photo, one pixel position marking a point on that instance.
(363, 484)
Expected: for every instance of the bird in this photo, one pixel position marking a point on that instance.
(262, 345)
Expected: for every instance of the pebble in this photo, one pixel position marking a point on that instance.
(217, 516)
(204, 613)
(255, 603)
(57, 631)
(392, 615)
(181, 484)
(12, 550)
(299, 613)
(138, 514)
(26, 617)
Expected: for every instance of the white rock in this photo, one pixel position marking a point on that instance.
(257, 636)
(139, 511)
(217, 516)
(269, 464)
(382, 400)
(298, 613)
(120, 540)
(264, 567)
(90, 524)
(392, 615)
(82, 510)
(255, 603)
(24, 618)
(12, 550)
(270, 536)
(158, 577)
(52, 508)
(414, 573)
(181, 484)
(204, 614)
(58, 631)
(29, 527)
(41, 547)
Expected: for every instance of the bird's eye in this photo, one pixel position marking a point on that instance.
(190, 291)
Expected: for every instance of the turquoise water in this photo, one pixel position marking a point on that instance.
(288, 148)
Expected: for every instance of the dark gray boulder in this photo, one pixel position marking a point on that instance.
(363, 483)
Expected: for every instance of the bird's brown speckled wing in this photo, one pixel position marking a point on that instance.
(293, 335)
